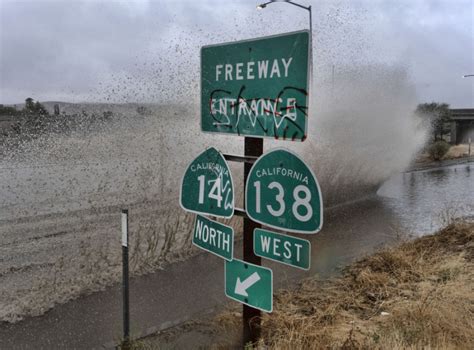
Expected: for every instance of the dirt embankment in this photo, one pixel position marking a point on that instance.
(419, 294)
(416, 295)
(459, 151)
(455, 152)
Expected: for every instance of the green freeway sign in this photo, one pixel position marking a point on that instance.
(282, 248)
(257, 87)
(207, 186)
(249, 284)
(214, 237)
(282, 192)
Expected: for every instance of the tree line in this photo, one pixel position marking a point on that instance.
(31, 108)
(34, 116)
(34, 120)
(437, 117)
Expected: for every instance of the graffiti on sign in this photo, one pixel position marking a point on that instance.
(207, 186)
(257, 87)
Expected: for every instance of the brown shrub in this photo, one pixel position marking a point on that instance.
(417, 295)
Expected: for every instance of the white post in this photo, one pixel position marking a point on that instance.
(125, 282)
(124, 228)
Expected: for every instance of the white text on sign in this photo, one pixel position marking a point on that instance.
(253, 70)
(214, 237)
(286, 249)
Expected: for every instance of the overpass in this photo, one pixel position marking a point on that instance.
(462, 125)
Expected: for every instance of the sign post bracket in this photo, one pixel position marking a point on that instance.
(240, 212)
(243, 159)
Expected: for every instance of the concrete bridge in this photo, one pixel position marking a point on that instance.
(462, 125)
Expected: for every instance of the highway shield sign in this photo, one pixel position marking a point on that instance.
(282, 192)
(207, 186)
(249, 284)
(214, 237)
(288, 250)
(257, 87)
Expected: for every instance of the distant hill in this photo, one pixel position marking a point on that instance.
(97, 108)
(117, 109)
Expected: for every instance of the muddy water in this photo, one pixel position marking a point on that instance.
(183, 290)
(411, 203)
(423, 201)
(50, 258)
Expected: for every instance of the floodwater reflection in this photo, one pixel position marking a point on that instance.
(423, 200)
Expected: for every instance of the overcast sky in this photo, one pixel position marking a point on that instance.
(148, 51)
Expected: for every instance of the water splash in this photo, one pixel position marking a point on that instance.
(63, 191)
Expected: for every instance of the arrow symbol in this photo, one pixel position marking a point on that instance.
(242, 286)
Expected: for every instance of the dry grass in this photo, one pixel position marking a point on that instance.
(455, 152)
(459, 151)
(159, 240)
(417, 295)
(156, 239)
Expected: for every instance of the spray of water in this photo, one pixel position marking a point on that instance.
(62, 192)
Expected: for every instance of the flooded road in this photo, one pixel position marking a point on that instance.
(423, 201)
(411, 203)
(184, 290)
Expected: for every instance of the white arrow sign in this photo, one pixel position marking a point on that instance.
(241, 287)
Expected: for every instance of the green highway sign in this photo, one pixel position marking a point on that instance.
(282, 248)
(207, 186)
(249, 284)
(214, 237)
(282, 192)
(257, 87)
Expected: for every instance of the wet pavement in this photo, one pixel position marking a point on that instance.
(192, 288)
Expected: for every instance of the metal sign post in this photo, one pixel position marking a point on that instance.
(251, 316)
(256, 88)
